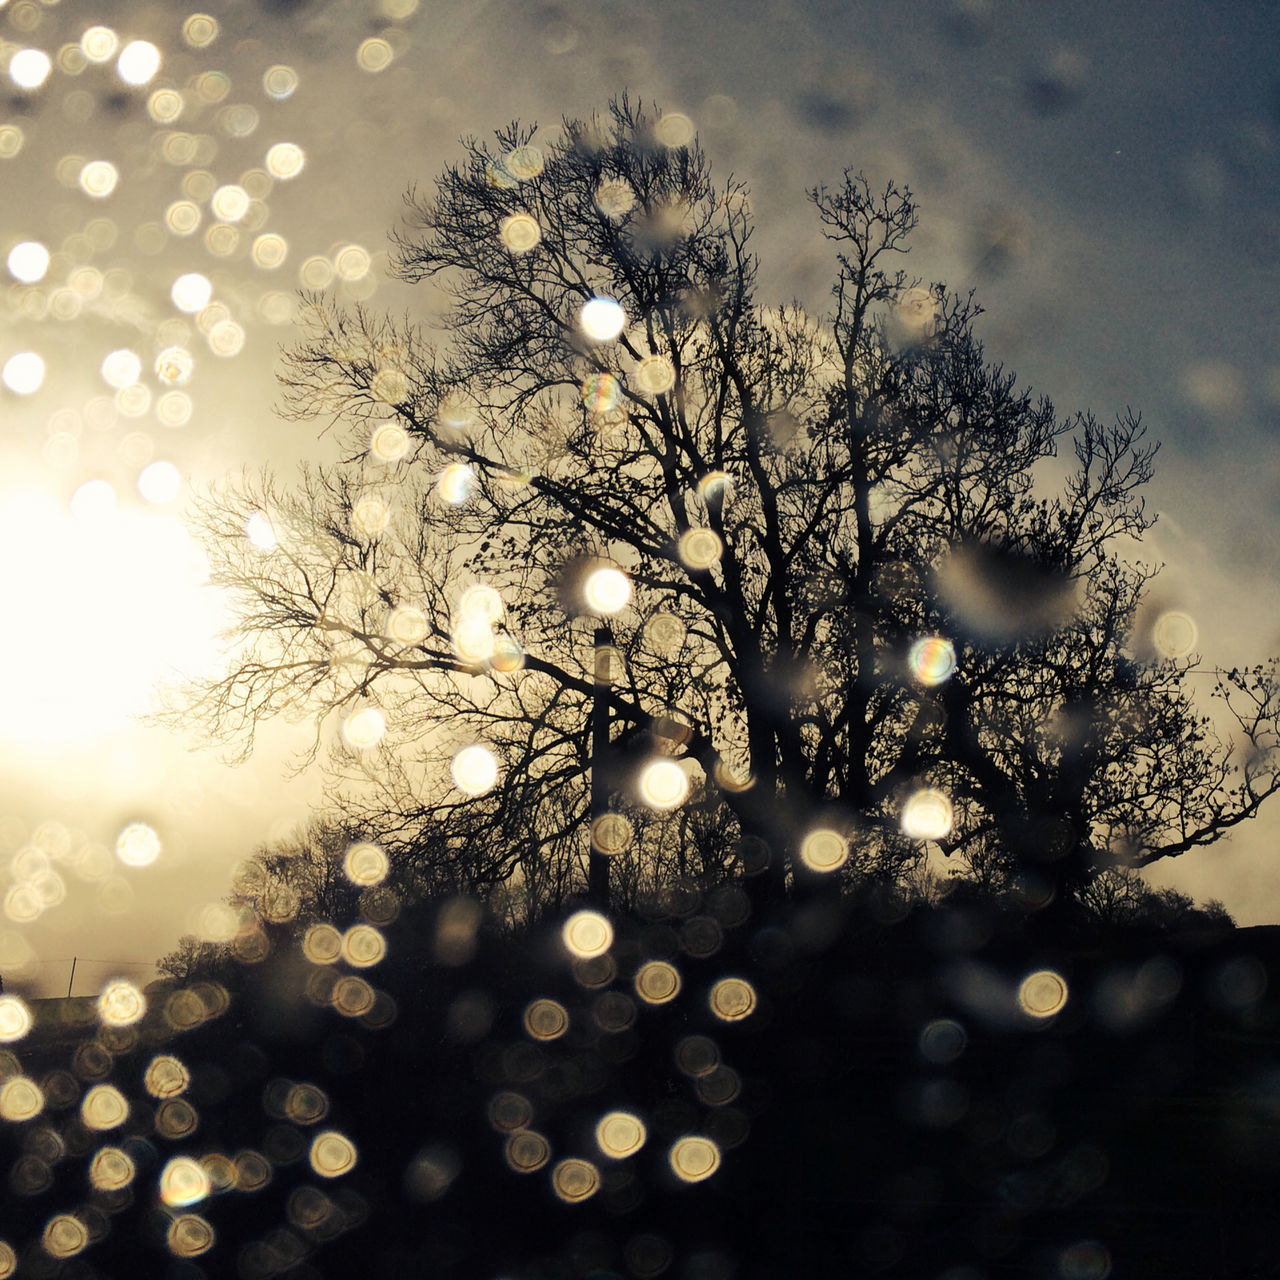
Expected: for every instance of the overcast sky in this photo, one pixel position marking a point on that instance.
(1108, 180)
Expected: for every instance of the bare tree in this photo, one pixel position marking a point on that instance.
(854, 621)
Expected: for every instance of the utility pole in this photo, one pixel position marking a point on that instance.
(72, 978)
(598, 863)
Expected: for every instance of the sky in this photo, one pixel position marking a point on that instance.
(1109, 184)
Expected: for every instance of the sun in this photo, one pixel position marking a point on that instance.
(100, 604)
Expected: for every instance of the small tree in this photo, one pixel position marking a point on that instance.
(195, 960)
(854, 618)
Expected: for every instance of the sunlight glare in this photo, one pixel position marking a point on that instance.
(135, 578)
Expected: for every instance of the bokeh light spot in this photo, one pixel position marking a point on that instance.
(546, 1019)
(374, 54)
(663, 784)
(166, 1076)
(200, 30)
(191, 292)
(926, 815)
(332, 1154)
(99, 44)
(138, 845)
(611, 834)
(160, 482)
(230, 202)
(615, 198)
(322, 944)
(138, 62)
(1174, 634)
(587, 934)
(352, 262)
(65, 1236)
(364, 729)
(365, 864)
(943, 1040)
(352, 997)
(526, 1151)
(607, 591)
(279, 81)
(1043, 993)
(29, 68)
(121, 1004)
(655, 375)
(363, 945)
(111, 1169)
(285, 160)
(474, 770)
(674, 129)
(694, 1159)
(620, 1134)
(104, 1107)
(20, 1099)
(575, 1180)
(824, 850)
(700, 548)
(190, 1236)
(657, 982)
(184, 1181)
(98, 178)
(28, 261)
(602, 319)
(389, 442)
(15, 1019)
(520, 232)
(732, 999)
(23, 373)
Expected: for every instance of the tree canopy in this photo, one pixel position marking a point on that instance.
(849, 615)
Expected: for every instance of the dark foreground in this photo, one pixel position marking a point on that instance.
(887, 1108)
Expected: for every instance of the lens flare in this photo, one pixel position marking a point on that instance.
(456, 483)
(407, 624)
(611, 834)
(587, 934)
(932, 659)
(389, 442)
(601, 392)
(1175, 634)
(365, 864)
(694, 1159)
